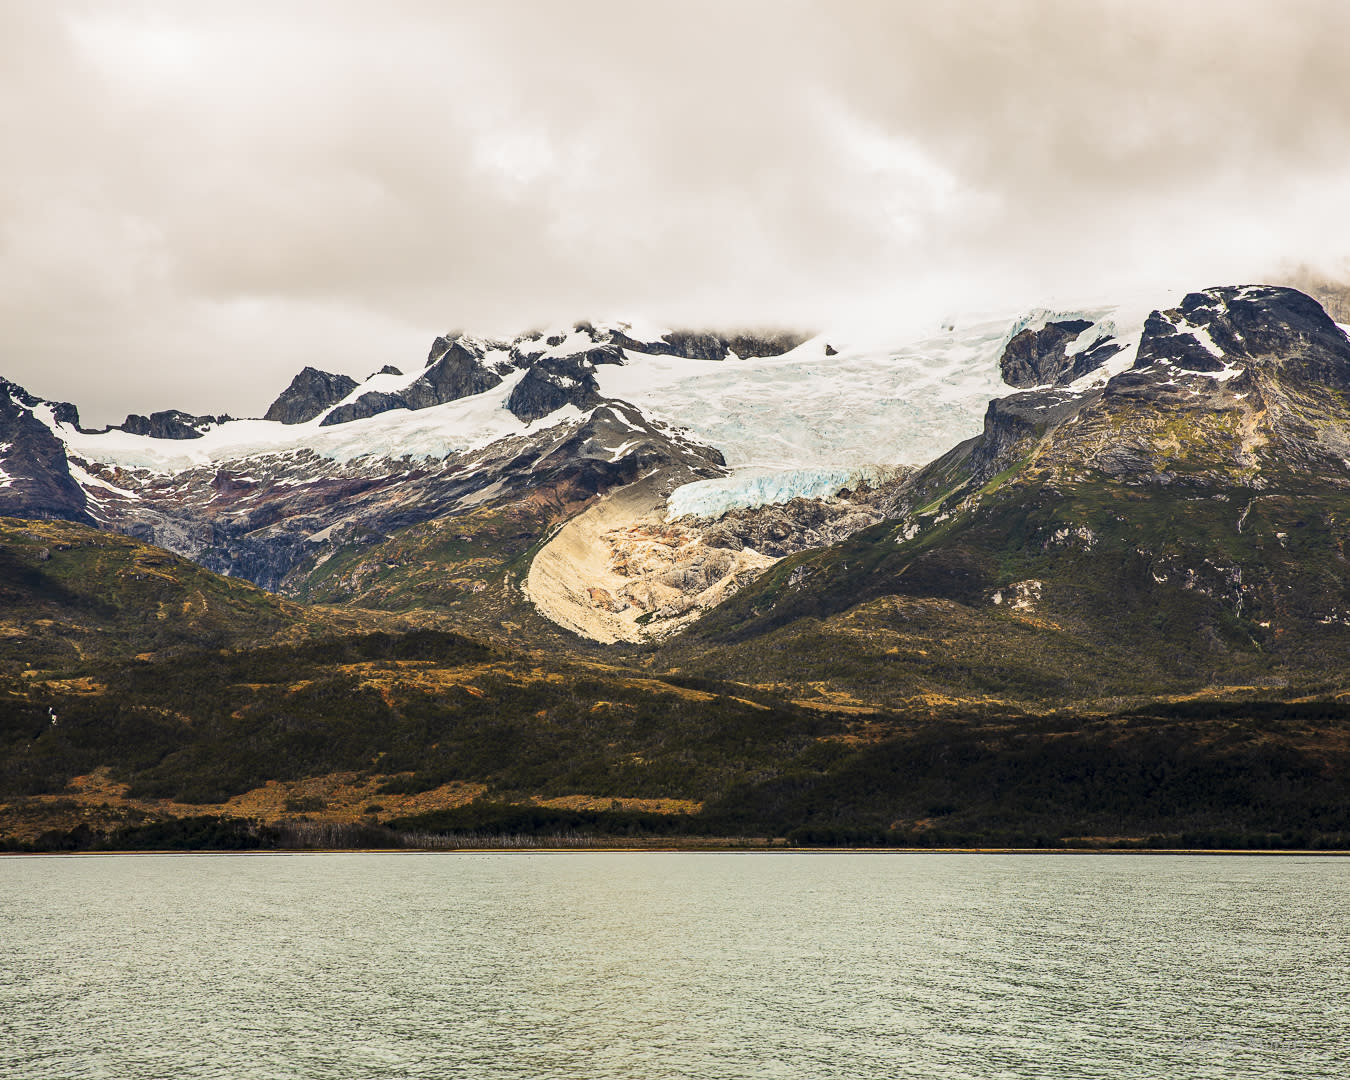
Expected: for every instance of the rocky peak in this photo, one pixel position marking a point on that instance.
(35, 480)
(460, 366)
(63, 412)
(1013, 423)
(705, 345)
(1232, 386)
(170, 424)
(554, 381)
(455, 374)
(1265, 327)
(310, 393)
(455, 369)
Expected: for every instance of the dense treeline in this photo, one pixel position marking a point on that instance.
(487, 818)
(1067, 776)
(205, 726)
(525, 827)
(211, 832)
(1205, 840)
(1215, 774)
(428, 708)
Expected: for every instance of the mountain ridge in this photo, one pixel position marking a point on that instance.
(1177, 529)
(347, 464)
(1120, 610)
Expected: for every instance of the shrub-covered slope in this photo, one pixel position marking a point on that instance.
(72, 597)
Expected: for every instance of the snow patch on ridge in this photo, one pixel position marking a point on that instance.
(798, 424)
(1038, 318)
(467, 424)
(872, 402)
(1228, 371)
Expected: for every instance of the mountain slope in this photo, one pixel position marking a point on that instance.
(135, 685)
(330, 494)
(426, 731)
(73, 597)
(1181, 528)
(1104, 616)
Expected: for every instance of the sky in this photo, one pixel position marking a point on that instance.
(200, 198)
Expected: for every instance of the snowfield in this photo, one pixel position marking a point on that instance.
(805, 423)
(458, 426)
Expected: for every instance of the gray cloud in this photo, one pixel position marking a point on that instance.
(199, 199)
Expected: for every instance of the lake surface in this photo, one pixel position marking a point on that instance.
(704, 966)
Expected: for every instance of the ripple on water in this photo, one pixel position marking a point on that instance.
(704, 966)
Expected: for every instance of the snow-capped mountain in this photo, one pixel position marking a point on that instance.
(1180, 528)
(706, 435)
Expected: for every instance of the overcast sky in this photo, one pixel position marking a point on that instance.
(197, 199)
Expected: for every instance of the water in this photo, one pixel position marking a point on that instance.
(704, 966)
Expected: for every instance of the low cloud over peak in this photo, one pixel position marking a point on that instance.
(200, 199)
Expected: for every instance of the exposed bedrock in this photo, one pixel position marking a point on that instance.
(1044, 357)
(310, 393)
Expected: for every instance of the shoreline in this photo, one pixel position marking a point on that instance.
(729, 849)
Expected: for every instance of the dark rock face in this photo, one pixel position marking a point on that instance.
(371, 404)
(456, 373)
(66, 413)
(309, 394)
(1234, 384)
(587, 456)
(1256, 325)
(698, 345)
(774, 343)
(1091, 359)
(1012, 422)
(552, 383)
(35, 480)
(786, 528)
(605, 354)
(261, 529)
(555, 381)
(62, 411)
(170, 424)
(458, 367)
(453, 373)
(1040, 357)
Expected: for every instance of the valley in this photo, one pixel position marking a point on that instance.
(1065, 575)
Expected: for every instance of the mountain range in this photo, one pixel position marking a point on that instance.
(1057, 574)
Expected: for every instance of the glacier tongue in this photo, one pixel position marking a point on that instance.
(750, 488)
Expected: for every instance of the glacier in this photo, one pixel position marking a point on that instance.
(806, 423)
(873, 403)
(747, 489)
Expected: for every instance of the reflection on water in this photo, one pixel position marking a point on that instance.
(704, 966)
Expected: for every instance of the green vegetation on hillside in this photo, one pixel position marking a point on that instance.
(1075, 663)
(1082, 593)
(72, 597)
